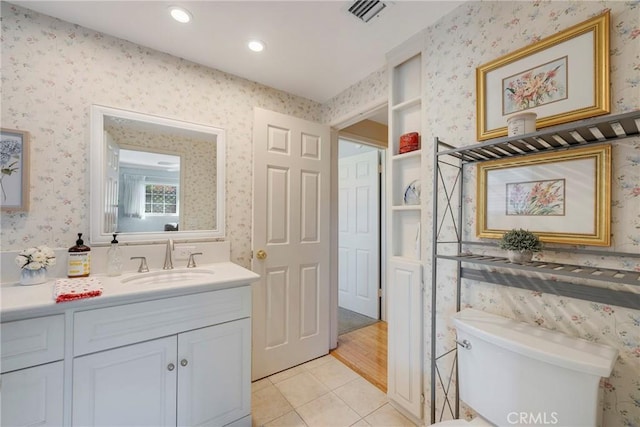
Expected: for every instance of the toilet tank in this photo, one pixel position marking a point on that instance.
(518, 374)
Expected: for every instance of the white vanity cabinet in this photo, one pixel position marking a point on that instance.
(32, 372)
(178, 361)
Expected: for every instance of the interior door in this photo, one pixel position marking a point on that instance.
(290, 241)
(359, 234)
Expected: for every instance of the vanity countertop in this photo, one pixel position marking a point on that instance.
(20, 302)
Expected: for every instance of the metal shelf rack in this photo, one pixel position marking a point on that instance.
(562, 137)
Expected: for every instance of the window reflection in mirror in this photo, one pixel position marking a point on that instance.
(149, 191)
(152, 175)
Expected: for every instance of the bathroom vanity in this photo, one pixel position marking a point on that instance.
(161, 349)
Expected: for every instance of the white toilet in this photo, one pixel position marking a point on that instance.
(515, 374)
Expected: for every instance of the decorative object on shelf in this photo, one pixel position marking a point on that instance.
(564, 196)
(521, 123)
(412, 193)
(520, 245)
(409, 142)
(564, 77)
(33, 263)
(14, 165)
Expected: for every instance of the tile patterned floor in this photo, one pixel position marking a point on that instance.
(321, 393)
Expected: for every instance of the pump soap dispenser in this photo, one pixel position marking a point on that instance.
(114, 258)
(79, 260)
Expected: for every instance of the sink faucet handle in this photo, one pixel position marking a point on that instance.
(143, 264)
(192, 261)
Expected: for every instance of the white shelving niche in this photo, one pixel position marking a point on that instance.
(405, 234)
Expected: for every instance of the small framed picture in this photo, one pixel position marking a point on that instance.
(14, 167)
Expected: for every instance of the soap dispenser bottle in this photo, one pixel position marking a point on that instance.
(114, 258)
(79, 261)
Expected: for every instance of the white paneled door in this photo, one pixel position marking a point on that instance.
(290, 241)
(359, 235)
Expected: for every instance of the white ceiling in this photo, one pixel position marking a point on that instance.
(315, 49)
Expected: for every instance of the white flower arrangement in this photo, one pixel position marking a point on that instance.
(36, 258)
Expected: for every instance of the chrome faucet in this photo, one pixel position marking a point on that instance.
(168, 258)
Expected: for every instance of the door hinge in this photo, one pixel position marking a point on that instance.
(422, 400)
(379, 167)
(379, 292)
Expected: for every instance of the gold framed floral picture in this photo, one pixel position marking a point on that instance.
(562, 78)
(563, 197)
(14, 168)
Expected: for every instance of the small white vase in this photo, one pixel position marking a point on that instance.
(521, 124)
(33, 277)
(519, 257)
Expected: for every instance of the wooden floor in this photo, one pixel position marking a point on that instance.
(365, 351)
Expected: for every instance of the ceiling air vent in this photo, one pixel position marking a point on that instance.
(366, 10)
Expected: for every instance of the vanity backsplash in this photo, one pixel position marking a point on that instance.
(154, 253)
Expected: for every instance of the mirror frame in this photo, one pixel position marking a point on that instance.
(97, 173)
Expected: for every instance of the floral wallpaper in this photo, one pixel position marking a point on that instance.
(369, 90)
(53, 71)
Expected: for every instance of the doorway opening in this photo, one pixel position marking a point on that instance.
(361, 329)
(359, 190)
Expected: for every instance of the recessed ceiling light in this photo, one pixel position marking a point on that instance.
(180, 14)
(256, 45)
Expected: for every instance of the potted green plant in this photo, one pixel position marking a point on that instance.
(520, 245)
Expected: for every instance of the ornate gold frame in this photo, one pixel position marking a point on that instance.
(602, 194)
(602, 105)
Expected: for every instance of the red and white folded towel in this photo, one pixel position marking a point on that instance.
(72, 289)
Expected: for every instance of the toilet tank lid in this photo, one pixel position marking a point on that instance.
(538, 343)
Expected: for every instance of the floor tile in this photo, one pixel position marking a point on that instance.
(291, 419)
(260, 384)
(317, 362)
(361, 396)
(361, 423)
(328, 410)
(333, 374)
(281, 376)
(301, 388)
(388, 416)
(268, 404)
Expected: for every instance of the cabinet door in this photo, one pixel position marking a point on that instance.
(405, 335)
(214, 377)
(127, 386)
(33, 396)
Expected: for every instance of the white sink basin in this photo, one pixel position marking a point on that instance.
(169, 276)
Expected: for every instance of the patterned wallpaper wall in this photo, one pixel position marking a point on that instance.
(52, 71)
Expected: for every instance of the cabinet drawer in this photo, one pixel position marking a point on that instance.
(32, 342)
(96, 330)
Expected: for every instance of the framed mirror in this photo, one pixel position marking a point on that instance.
(154, 178)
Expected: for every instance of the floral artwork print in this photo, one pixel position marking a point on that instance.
(536, 198)
(535, 87)
(10, 162)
